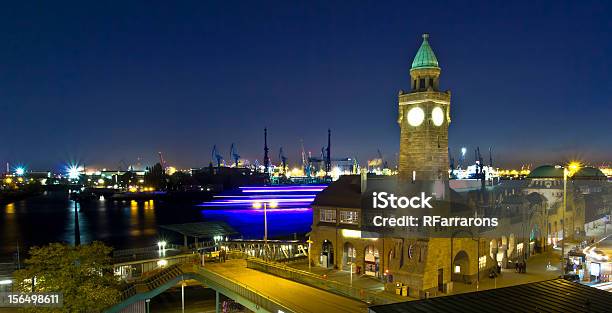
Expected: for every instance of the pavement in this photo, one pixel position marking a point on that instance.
(296, 296)
(539, 267)
(366, 282)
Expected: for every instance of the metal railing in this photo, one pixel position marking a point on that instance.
(317, 281)
(134, 270)
(190, 266)
(156, 279)
(145, 250)
(262, 301)
(294, 259)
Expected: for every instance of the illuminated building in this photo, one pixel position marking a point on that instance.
(547, 180)
(425, 266)
(513, 173)
(424, 117)
(606, 170)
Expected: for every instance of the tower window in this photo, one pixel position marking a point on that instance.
(422, 83)
(414, 85)
(431, 83)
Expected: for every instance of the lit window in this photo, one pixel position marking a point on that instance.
(349, 217)
(328, 215)
(482, 262)
(457, 269)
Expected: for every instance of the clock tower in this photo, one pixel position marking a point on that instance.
(424, 117)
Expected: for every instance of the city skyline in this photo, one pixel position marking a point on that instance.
(99, 84)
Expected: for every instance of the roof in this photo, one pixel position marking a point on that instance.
(546, 171)
(589, 173)
(202, 229)
(425, 57)
(556, 295)
(344, 192)
(550, 171)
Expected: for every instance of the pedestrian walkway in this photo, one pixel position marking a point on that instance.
(366, 282)
(251, 288)
(539, 267)
(292, 294)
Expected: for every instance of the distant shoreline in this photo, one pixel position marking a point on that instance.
(8, 197)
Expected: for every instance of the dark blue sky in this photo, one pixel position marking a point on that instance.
(100, 82)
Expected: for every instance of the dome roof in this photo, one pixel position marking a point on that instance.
(425, 57)
(589, 173)
(546, 171)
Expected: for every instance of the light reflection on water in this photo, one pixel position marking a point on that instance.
(128, 224)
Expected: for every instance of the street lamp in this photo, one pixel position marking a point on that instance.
(309, 264)
(162, 247)
(568, 170)
(271, 205)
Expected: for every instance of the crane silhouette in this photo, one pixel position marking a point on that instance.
(283, 159)
(234, 154)
(217, 156)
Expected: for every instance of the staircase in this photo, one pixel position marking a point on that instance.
(152, 282)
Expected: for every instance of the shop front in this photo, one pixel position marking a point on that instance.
(371, 258)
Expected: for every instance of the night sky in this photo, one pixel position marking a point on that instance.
(99, 82)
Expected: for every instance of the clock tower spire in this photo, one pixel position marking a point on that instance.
(424, 117)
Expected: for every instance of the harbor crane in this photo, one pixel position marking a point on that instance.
(304, 164)
(328, 154)
(283, 159)
(124, 166)
(479, 163)
(162, 162)
(266, 159)
(383, 162)
(234, 154)
(217, 156)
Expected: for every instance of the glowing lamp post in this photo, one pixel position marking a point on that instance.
(162, 247)
(19, 171)
(568, 171)
(271, 205)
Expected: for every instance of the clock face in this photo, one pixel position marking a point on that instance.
(415, 116)
(437, 116)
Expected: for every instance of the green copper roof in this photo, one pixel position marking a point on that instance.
(589, 173)
(546, 171)
(425, 57)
